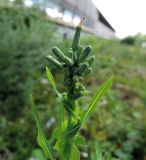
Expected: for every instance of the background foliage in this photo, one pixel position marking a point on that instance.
(119, 124)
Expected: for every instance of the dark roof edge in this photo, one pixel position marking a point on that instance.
(104, 21)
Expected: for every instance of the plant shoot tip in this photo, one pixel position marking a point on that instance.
(82, 21)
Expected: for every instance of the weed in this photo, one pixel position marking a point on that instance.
(75, 67)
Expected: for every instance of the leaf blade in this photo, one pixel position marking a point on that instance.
(75, 154)
(41, 138)
(51, 79)
(62, 117)
(103, 88)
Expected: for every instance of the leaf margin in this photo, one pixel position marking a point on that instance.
(100, 92)
(47, 148)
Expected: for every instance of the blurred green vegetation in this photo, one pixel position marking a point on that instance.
(119, 125)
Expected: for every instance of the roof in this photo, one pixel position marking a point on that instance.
(104, 21)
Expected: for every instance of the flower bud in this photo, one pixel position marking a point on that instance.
(90, 60)
(70, 54)
(79, 51)
(74, 57)
(89, 70)
(58, 53)
(81, 87)
(77, 84)
(84, 93)
(61, 57)
(75, 78)
(80, 78)
(76, 40)
(83, 67)
(85, 53)
(53, 61)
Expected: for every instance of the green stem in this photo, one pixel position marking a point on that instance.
(70, 106)
(67, 141)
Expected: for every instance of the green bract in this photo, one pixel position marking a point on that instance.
(75, 66)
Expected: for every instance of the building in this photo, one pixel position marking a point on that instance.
(70, 11)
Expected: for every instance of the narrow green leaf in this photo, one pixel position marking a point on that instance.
(41, 138)
(56, 132)
(38, 154)
(103, 88)
(75, 153)
(57, 145)
(51, 79)
(62, 117)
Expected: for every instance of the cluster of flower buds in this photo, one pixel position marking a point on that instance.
(76, 64)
